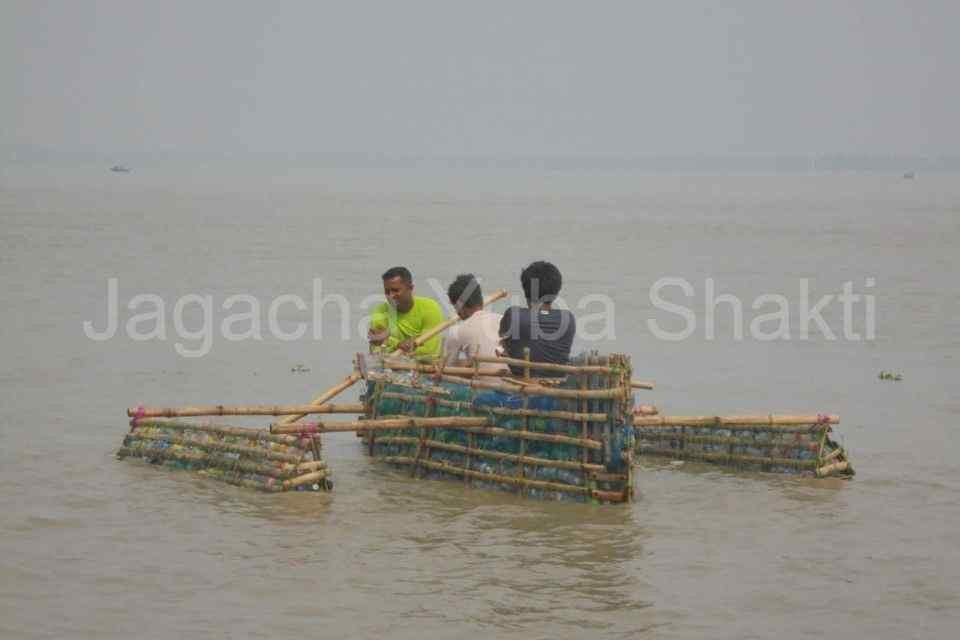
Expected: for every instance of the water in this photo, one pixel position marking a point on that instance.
(93, 547)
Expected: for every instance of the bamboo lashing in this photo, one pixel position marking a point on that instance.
(446, 324)
(733, 421)
(347, 382)
(243, 410)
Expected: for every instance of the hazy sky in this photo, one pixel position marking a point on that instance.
(484, 78)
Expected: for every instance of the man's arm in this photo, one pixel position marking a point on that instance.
(432, 316)
(379, 332)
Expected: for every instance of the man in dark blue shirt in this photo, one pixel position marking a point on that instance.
(546, 331)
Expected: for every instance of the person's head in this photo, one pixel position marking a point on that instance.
(465, 295)
(541, 282)
(398, 288)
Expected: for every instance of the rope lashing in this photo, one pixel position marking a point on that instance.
(823, 421)
(135, 421)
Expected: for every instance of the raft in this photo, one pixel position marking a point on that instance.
(771, 444)
(574, 437)
(562, 439)
(250, 458)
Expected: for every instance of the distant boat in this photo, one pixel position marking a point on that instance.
(119, 168)
(909, 175)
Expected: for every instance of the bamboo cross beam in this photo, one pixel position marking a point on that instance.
(406, 365)
(347, 382)
(243, 410)
(720, 421)
(446, 324)
(537, 390)
(500, 411)
(376, 425)
(545, 366)
(563, 368)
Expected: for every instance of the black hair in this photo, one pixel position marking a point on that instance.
(541, 282)
(465, 292)
(401, 272)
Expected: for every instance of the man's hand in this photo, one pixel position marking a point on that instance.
(378, 336)
(407, 345)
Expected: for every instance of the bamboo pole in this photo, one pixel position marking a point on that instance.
(220, 430)
(730, 459)
(314, 465)
(836, 453)
(544, 366)
(499, 455)
(521, 472)
(347, 382)
(731, 441)
(583, 407)
(725, 421)
(220, 460)
(252, 452)
(308, 478)
(501, 411)
(536, 390)
(509, 433)
(636, 384)
(642, 430)
(609, 496)
(446, 422)
(535, 435)
(242, 410)
(646, 410)
(446, 324)
(429, 368)
(830, 469)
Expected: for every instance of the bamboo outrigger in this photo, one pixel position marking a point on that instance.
(567, 438)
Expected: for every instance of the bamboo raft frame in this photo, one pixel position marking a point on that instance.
(448, 445)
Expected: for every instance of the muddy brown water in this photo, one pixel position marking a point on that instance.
(92, 547)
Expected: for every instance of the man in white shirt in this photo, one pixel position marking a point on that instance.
(479, 332)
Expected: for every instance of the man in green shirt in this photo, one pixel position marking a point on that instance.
(396, 323)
